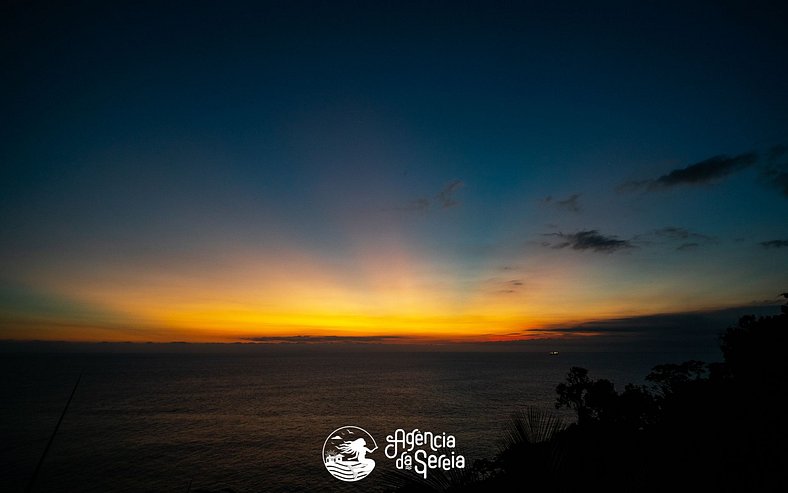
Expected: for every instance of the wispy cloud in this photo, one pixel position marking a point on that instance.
(590, 240)
(676, 233)
(775, 172)
(418, 205)
(775, 244)
(688, 331)
(570, 204)
(324, 339)
(684, 247)
(709, 170)
(681, 239)
(446, 198)
(507, 286)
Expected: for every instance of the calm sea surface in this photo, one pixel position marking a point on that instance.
(257, 422)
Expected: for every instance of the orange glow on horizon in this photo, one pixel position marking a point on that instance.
(390, 291)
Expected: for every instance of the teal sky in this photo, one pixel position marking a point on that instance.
(226, 171)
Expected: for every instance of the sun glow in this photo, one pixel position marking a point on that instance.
(387, 292)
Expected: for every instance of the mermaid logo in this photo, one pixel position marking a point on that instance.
(345, 453)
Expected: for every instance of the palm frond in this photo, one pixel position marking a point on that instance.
(532, 425)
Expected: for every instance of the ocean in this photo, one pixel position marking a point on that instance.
(257, 422)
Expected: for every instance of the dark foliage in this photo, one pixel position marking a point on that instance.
(695, 426)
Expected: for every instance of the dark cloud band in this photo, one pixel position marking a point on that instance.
(591, 240)
(709, 170)
(775, 244)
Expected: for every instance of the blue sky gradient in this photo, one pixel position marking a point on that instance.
(492, 162)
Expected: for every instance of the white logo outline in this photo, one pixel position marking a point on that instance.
(356, 469)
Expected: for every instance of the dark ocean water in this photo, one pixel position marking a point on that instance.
(257, 422)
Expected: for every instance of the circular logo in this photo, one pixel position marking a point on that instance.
(345, 453)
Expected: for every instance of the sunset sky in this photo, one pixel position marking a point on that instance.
(229, 171)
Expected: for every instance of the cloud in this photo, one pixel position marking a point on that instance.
(323, 339)
(775, 244)
(676, 233)
(419, 205)
(506, 286)
(680, 239)
(683, 239)
(590, 240)
(685, 331)
(711, 321)
(570, 204)
(706, 171)
(446, 198)
(687, 246)
(775, 173)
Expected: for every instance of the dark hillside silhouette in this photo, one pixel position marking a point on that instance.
(693, 426)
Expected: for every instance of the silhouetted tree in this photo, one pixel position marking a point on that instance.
(670, 378)
(572, 393)
(754, 349)
(637, 407)
(696, 426)
(754, 383)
